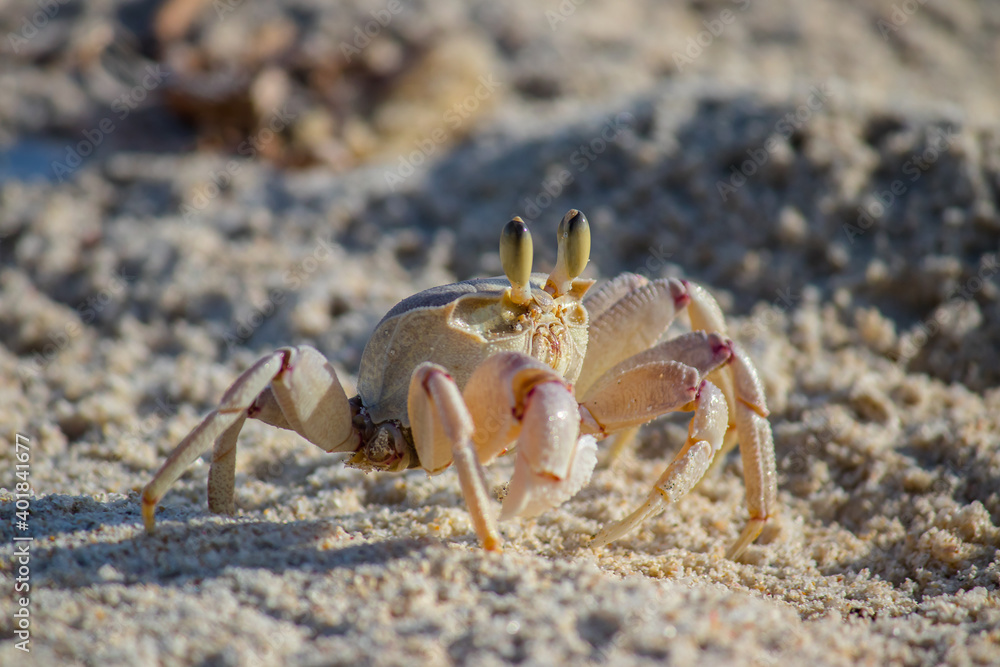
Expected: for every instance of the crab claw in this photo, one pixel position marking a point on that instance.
(519, 403)
(531, 493)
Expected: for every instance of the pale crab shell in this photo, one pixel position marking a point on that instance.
(456, 326)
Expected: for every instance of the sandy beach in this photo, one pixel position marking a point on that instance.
(189, 185)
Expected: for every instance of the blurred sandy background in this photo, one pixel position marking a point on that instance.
(187, 185)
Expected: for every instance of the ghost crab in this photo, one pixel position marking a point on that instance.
(460, 374)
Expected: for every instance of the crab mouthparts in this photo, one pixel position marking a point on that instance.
(385, 447)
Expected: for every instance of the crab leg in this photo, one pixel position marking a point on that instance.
(756, 450)
(442, 434)
(700, 350)
(678, 366)
(293, 388)
(705, 434)
(638, 395)
(706, 315)
(748, 413)
(222, 473)
(663, 378)
(629, 303)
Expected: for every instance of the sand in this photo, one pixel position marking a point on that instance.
(830, 172)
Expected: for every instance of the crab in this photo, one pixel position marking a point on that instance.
(528, 364)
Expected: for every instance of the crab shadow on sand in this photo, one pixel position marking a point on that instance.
(170, 557)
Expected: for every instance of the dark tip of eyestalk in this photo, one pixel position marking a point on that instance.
(574, 231)
(572, 219)
(515, 256)
(516, 229)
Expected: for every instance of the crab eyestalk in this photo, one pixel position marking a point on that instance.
(515, 257)
(573, 253)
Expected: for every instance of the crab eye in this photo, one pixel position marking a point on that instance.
(573, 254)
(574, 242)
(515, 257)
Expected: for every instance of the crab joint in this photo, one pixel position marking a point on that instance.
(515, 257)
(573, 253)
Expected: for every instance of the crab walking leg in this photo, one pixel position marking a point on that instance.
(312, 402)
(702, 351)
(637, 395)
(728, 443)
(748, 417)
(756, 450)
(442, 431)
(599, 300)
(706, 315)
(231, 412)
(705, 434)
(222, 473)
(723, 379)
(644, 310)
(704, 310)
(190, 448)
